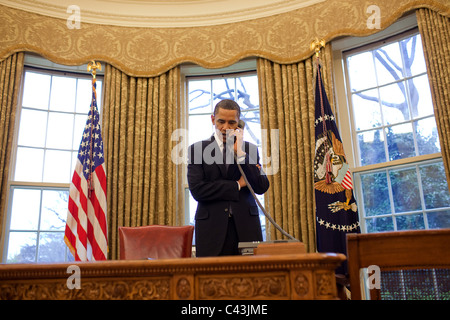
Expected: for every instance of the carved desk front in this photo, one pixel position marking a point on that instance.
(290, 276)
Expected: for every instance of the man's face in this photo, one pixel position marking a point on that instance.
(225, 120)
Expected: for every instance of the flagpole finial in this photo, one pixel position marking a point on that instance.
(93, 66)
(316, 45)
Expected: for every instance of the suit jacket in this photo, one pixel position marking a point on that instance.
(217, 192)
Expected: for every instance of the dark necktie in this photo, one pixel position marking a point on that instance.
(226, 151)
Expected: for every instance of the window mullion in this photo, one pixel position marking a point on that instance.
(422, 197)
(391, 200)
(38, 231)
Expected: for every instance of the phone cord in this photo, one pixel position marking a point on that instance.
(259, 203)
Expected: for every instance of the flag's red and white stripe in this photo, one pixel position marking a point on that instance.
(86, 232)
(347, 182)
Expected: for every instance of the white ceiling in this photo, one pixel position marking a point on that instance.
(161, 13)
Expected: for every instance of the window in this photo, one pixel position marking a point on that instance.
(399, 178)
(391, 102)
(203, 93)
(51, 117)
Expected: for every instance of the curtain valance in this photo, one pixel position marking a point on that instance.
(283, 38)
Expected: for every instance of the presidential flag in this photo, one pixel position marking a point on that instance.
(336, 210)
(86, 228)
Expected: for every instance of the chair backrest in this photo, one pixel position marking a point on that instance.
(155, 242)
(412, 264)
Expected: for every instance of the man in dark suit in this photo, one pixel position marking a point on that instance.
(227, 212)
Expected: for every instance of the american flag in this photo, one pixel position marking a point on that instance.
(86, 229)
(336, 209)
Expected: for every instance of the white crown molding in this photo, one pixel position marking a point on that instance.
(161, 13)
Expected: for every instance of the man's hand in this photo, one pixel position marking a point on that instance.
(241, 182)
(239, 143)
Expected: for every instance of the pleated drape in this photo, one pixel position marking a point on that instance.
(435, 31)
(10, 77)
(139, 117)
(287, 107)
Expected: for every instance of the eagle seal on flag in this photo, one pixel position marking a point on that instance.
(331, 171)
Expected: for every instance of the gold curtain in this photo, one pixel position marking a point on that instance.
(287, 105)
(10, 77)
(435, 31)
(139, 116)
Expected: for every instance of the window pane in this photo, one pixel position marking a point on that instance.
(29, 164)
(375, 194)
(247, 92)
(25, 209)
(54, 209)
(427, 136)
(252, 129)
(420, 96)
(32, 129)
(60, 130)
(361, 71)
(51, 247)
(439, 219)
(410, 222)
(223, 89)
(394, 103)
(192, 208)
(366, 109)
(80, 123)
(36, 90)
(74, 163)
(371, 147)
(434, 187)
(405, 190)
(379, 224)
(84, 95)
(200, 96)
(400, 141)
(200, 128)
(22, 247)
(57, 166)
(99, 95)
(413, 55)
(262, 217)
(63, 94)
(388, 63)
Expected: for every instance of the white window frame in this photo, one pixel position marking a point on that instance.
(343, 110)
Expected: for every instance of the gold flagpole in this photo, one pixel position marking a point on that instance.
(92, 68)
(317, 45)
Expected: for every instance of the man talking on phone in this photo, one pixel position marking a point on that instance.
(226, 213)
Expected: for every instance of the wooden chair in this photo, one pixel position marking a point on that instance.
(412, 264)
(155, 242)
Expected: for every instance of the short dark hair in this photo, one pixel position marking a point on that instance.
(229, 105)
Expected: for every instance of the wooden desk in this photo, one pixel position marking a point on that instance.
(398, 250)
(290, 276)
